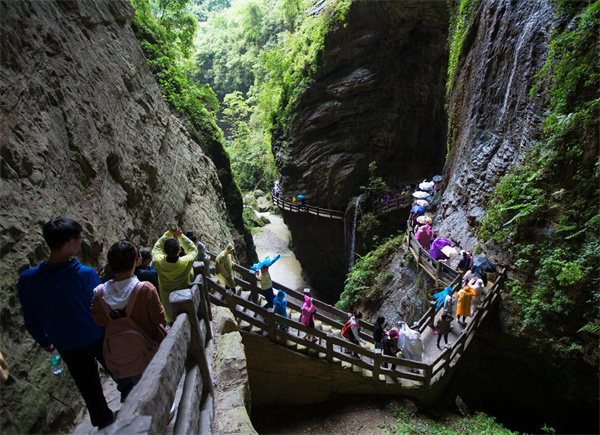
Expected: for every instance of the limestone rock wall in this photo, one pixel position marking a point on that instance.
(85, 134)
(493, 118)
(378, 96)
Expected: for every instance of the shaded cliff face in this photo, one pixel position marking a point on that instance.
(85, 134)
(493, 120)
(378, 96)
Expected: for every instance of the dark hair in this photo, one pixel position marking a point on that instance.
(59, 231)
(145, 254)
(380, 320)
(171, 247)
(190, 235)
(358, 315)
(393, 333)
(122, 256)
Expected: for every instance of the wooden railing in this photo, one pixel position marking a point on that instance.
(310, 209)
(332, 344)
(434, 268)
(387, 205)
(185, 352)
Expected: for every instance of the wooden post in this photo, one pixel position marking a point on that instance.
(438, 269)
(186, 301)
(377, 364)
(253, 288)
(329, 351)
(230, 301)
(427, 380)
(432, 304)
(271, 325)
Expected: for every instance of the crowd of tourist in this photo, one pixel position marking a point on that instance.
(119, 323)
(68, 309)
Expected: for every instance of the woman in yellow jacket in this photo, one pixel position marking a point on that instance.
(465, 296)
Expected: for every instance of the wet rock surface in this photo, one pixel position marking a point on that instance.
(378, 96)
(86, 134)
(495, 119)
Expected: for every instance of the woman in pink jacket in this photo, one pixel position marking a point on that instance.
(424, 236)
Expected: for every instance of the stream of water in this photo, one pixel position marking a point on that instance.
(274, 239)
(351, 235)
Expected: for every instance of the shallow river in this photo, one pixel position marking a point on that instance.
(273, 239)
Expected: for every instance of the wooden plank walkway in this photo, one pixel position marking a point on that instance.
(245, 304)
(438, 270)
(309, 209)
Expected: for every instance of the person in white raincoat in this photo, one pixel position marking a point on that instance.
(410, 342)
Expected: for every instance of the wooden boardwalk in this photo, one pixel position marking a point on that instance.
(308, 209)
(245, 303)
(179, 376)
(438, 270)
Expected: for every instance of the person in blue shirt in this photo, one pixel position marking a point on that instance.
(143, 270)
(56, 297)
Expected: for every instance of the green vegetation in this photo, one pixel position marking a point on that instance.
(461, 18)
(159, 27)
(368, 223)
(365, 282)
(167, 52)
(291, 65)
(462, 13)
(232, 47)
(545, 212)
(408, 422)
(248, 146)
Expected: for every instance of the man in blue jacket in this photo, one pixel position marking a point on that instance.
(56, 297)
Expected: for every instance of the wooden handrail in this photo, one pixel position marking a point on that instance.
(328, 342)
(184, 352)
(306, 208)
(388, 205)
(434, 268)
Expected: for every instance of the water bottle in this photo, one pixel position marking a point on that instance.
(56, 363)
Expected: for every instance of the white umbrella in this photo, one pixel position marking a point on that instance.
(437, 178)
(423, 219)
(420, 195)
(449, 251)
(421, 202)
(425, 185)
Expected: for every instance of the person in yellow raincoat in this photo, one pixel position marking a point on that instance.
(465, 296)
(174, 272)
(224, 268)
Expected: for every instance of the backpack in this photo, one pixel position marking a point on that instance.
(346, 329)
(127, 348)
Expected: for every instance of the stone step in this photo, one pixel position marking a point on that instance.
(367, 373)
(243, 325)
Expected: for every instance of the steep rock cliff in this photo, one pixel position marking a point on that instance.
(492, 118)
(378, 95)
(85, 134)
(493, 121)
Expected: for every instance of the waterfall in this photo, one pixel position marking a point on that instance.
(351, 235)
(524, 37)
